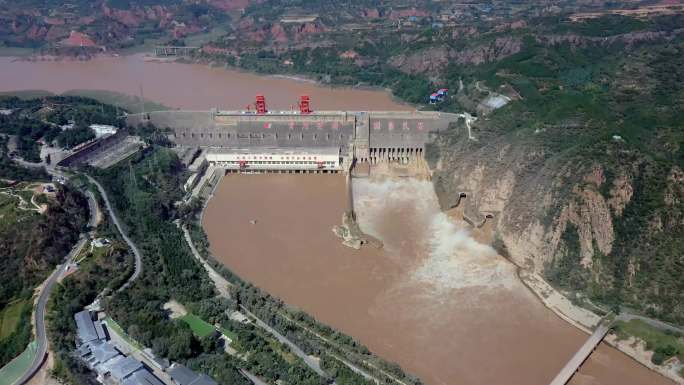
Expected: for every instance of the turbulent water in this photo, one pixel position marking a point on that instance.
(448, 256)
(434, 300)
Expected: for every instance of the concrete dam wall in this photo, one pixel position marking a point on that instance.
(366, 136)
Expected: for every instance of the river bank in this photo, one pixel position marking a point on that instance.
(431, 280)
(289, 76)
(586, 320)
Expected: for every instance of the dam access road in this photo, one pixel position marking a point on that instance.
(44, 296)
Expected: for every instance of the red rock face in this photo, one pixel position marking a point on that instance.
(303, 31)
(403, 13)
(257, 36)
(518, 24)
(56, 32)
(126, 17)
(77, 39)
(278, 33)
(36, 32)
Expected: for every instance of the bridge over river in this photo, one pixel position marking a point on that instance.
(573, 365)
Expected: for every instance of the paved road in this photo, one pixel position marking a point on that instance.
(652, 322)
(581, 355)
(39, 314)
(136, 252)
(221, 284)
(308, 360)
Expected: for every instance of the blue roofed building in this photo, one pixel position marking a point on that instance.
(184, 376)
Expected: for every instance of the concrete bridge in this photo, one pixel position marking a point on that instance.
(572, 366)
(363, 136)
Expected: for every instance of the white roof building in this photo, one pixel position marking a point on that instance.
(103, 129)
(277, 159)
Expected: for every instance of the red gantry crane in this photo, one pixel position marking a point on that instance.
(304, 105)
(260, 104)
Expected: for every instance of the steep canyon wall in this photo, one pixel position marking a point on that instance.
(603, 221)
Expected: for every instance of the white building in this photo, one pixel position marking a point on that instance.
(277, 159)
(103, 129)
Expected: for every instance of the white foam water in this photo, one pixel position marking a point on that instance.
(449, 258)
(456, 260)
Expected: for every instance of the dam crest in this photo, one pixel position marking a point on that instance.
(290, 141)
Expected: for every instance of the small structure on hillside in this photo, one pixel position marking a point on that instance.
(439, 96)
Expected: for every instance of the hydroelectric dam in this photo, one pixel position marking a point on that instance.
(300, 140)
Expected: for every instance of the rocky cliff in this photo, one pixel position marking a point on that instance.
(602, 220)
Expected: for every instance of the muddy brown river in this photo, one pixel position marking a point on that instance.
(443, 306)
(187, 86)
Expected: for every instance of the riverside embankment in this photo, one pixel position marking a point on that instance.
(442, 305)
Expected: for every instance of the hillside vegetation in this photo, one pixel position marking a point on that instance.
(31, 245)
(586, 168)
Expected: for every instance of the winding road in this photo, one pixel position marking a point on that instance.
(44, 296)
(39, 315)
(115, 219)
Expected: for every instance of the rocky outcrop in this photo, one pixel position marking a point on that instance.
(498, 49)
(434, 59)
(613, 222)
(427, 61)
(533, 209)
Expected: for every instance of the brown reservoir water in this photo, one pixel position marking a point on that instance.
(443, 306)
(186, 86)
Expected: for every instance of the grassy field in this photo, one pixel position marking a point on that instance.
(229, 333)
(655, 339)
(11, 372)
(11, 214)
(198, 326)
(9, 317)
